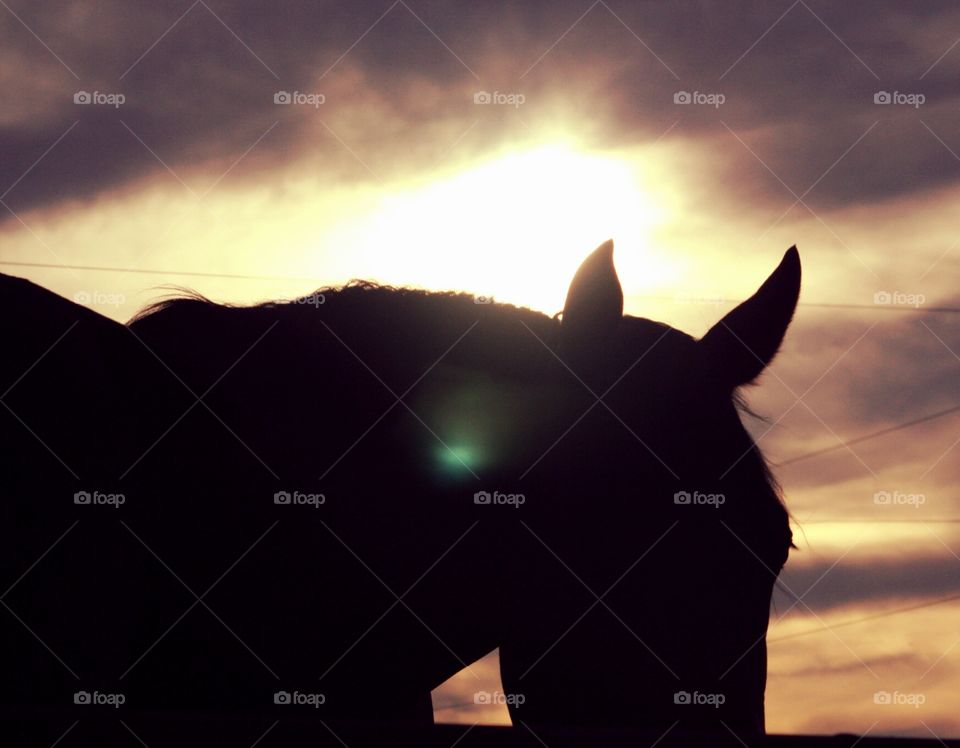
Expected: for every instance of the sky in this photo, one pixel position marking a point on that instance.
(254, 151)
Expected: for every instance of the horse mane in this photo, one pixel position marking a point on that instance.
(500, 343)
(355, 291)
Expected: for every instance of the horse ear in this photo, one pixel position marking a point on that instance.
(594, 303)
(744, 342)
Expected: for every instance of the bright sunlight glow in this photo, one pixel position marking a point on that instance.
(514, 228)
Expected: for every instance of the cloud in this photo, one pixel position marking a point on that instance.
(199, 85)
(848, 583)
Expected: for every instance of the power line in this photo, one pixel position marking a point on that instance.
(148, 271)
(872, 435)
(239, 276)
(882, 307)
(874, 520)
(815, 304)
(872, 617)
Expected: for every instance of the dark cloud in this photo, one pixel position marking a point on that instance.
(199, 82)
(860, 372)
(890, 366)
(866, 581)
(910, 661)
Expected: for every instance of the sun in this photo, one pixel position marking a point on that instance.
(515, 227)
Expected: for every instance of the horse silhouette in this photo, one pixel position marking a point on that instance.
(331, 505)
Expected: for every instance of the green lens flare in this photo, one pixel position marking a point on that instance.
(458, 458)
